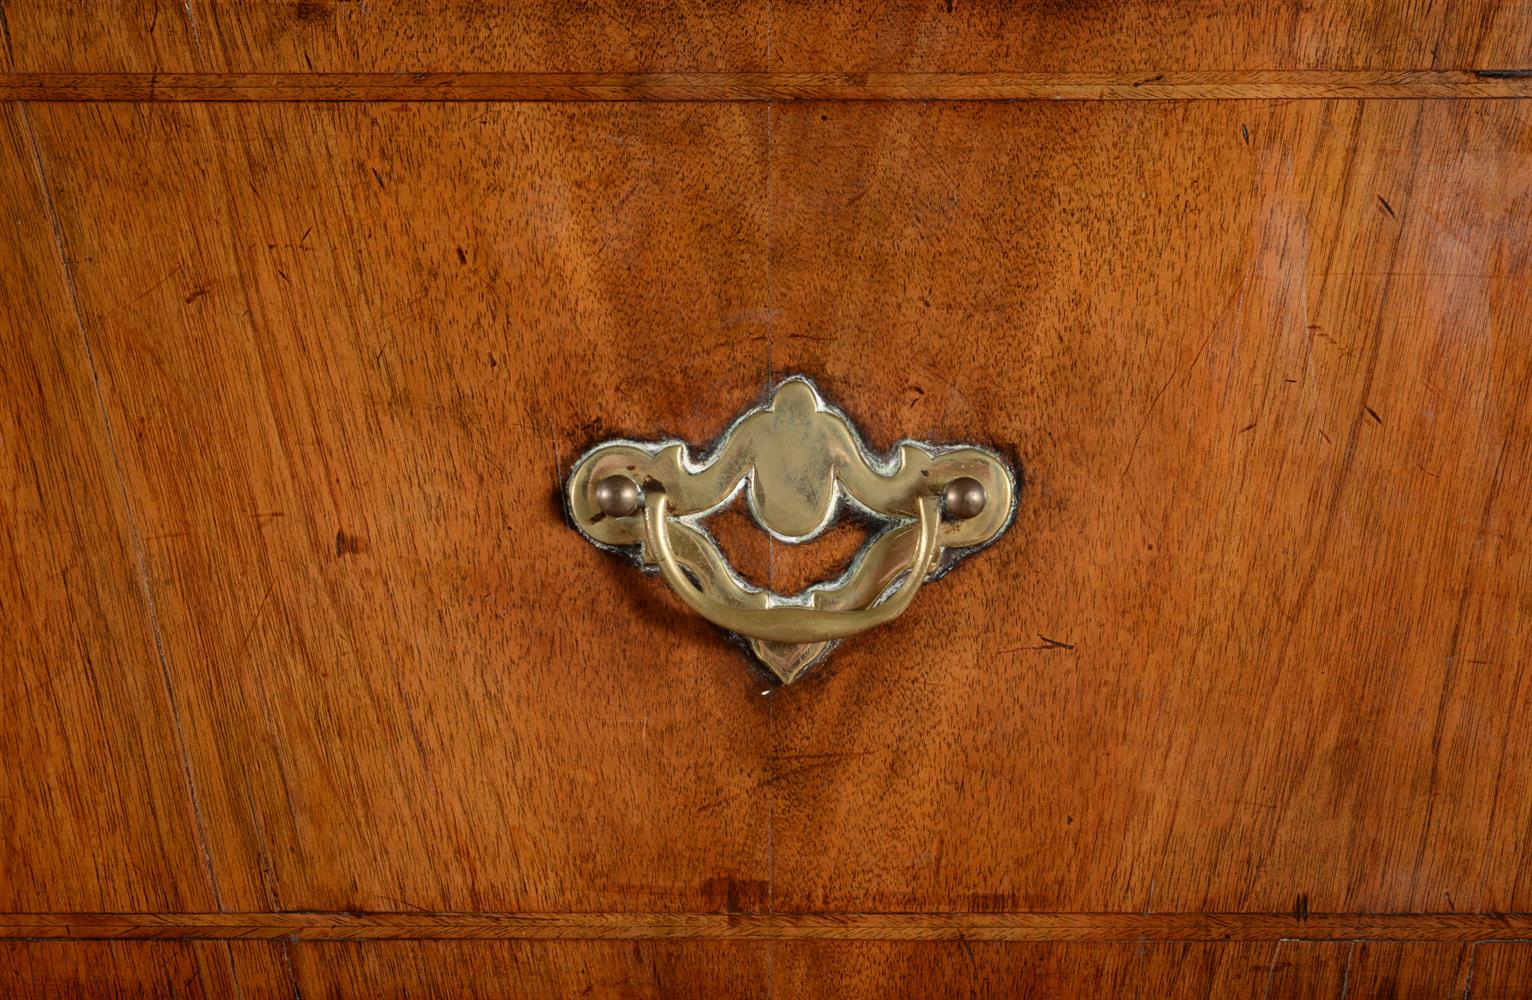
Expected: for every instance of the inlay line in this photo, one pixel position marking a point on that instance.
(343, 926)
(726, 87)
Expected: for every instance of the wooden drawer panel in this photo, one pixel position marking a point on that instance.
(304, 658)
(1245, 394)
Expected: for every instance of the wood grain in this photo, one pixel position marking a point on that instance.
(647, 969)
(888, 969)
(94, 786)
(917, 36)
(440, 87)
(763, 968)
(985, 969)
(346, 484)
(1261, 620)
(45, 970)
(401, 35)
(1381, 968)
(265, 36)
(1257, 599)
(1498, 971)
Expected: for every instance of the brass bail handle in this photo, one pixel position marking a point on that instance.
(790, 623)
(799, 462)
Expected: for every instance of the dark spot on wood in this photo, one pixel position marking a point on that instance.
(1387, 207)
(349, 545)
(1373, 414)
(735, 895)
(1069, 821)
(1301, 907)
(993, 902)
(378, 177)
(1149, 79)
(1503, 74)
(462, 258)
(311, 13)
(1248, 427)
(492, 362)
(1244, 131)
(1289, 380)
(196, 293)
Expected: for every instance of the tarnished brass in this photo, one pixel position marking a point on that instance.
(799, 461)
(963, 498)
(617, 495)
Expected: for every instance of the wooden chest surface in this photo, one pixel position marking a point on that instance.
(311, 689)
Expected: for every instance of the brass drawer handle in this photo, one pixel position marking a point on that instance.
(788, 623)
(799, 462)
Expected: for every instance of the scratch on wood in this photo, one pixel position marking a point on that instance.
(812, 762)
(191, 25)
(228, 955)
(287, 962)
(1046, 643)
(1473, 953)
(1345, 986)
(1271, 969)
(255, 619)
